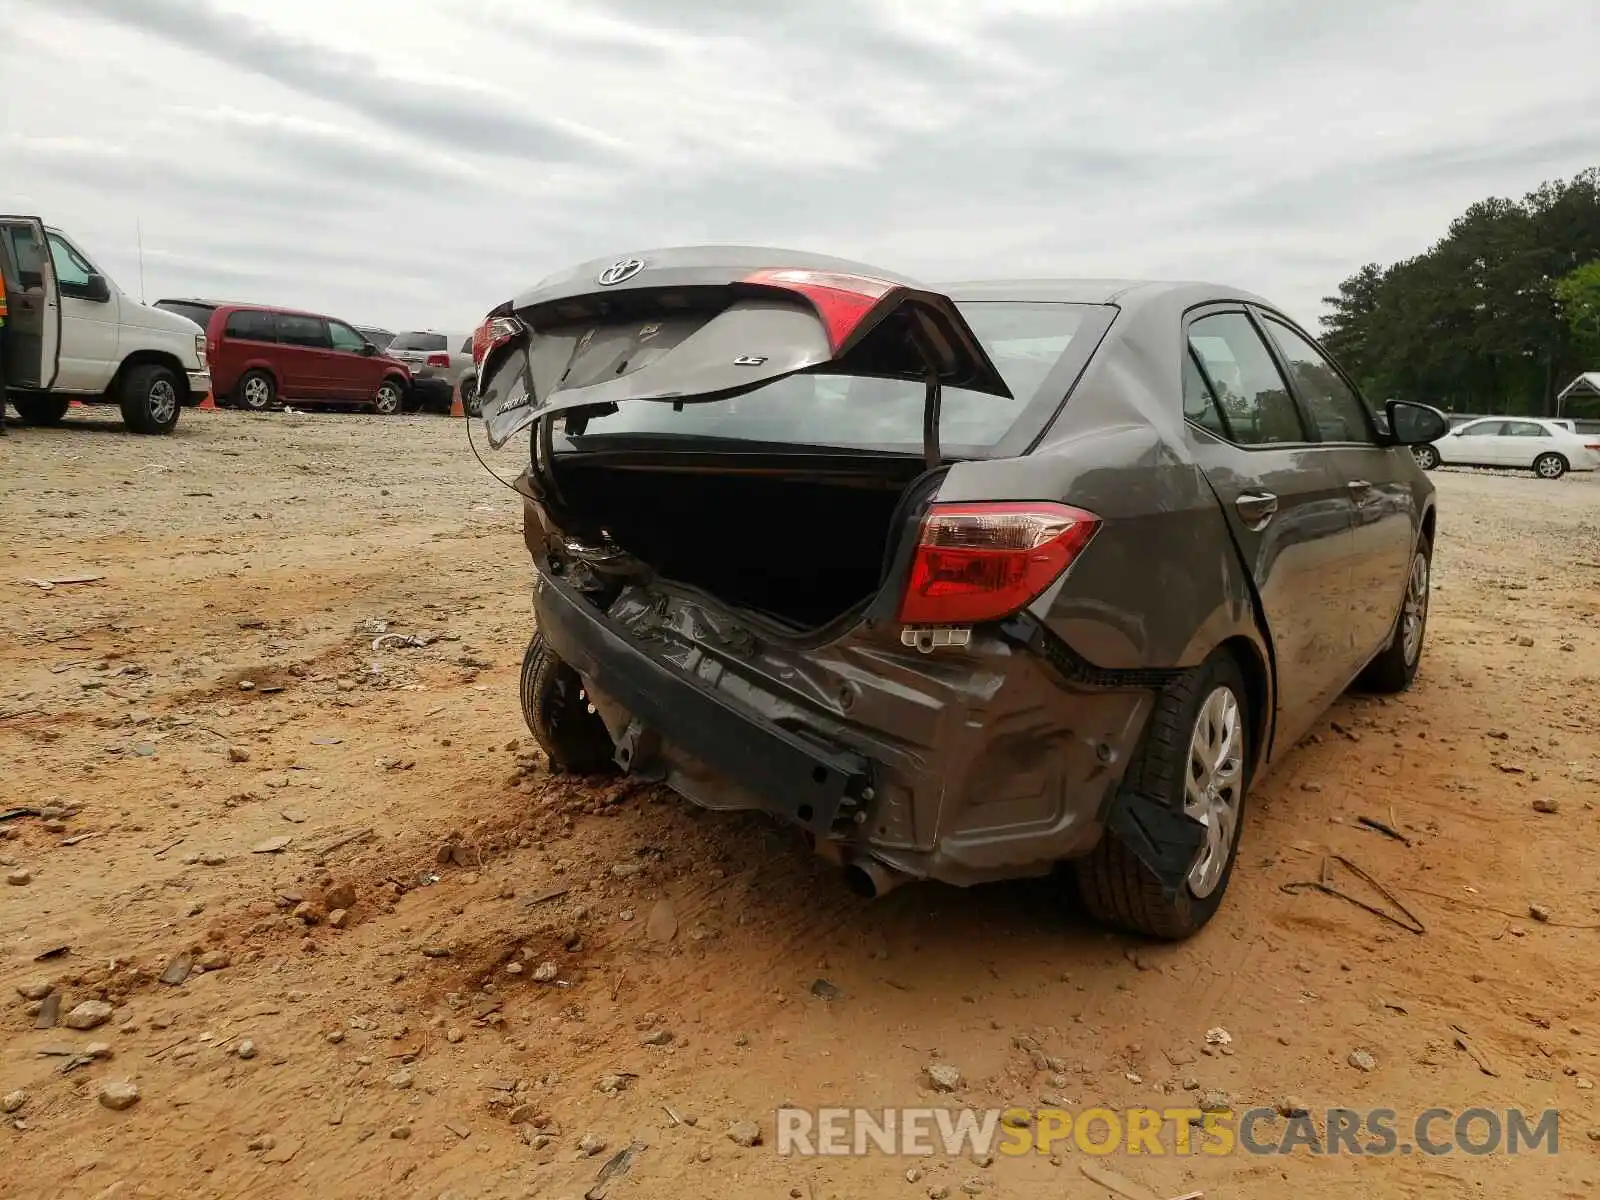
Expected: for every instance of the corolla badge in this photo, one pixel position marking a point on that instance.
(620, 271)
(504, 419)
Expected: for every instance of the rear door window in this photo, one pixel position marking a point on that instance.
(1026, 342)
(1199, 405)
(1253, 396)
(1526, 429)
(310, 333)
(251, 325)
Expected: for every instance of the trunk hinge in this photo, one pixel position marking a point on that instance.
(932, 395)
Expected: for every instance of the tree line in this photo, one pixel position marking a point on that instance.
(1496, 317)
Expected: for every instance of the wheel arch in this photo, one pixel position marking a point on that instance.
(153, 358)
(1257, 672)
(266, 366)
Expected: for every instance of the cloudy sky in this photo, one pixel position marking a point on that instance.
(413, 163)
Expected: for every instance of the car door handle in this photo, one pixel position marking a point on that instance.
(1257, 508)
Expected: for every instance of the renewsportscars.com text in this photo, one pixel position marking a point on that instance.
(1377, 1132)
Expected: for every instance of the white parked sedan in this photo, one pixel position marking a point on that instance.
(1547, 448)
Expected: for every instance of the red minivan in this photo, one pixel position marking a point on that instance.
(260, 356)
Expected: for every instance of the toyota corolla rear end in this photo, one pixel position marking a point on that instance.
(733, 501)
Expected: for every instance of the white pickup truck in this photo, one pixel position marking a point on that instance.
(73, 334)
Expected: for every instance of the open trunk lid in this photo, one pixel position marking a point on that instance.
(707, 323)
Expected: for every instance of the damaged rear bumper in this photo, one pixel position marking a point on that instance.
(966, 766)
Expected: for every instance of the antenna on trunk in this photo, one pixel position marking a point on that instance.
(138, 237)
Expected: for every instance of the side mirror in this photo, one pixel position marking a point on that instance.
(1412, 424)
(98, 289)
(368, 349)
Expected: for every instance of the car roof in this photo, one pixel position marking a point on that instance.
(1124, 293)
(288, 312)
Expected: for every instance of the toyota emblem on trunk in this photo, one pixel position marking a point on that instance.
(622, 269)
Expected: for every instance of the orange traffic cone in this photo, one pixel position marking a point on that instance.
(208, 403)
(456, 410)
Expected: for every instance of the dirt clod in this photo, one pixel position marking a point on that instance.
(90, 1014)
(119, 1094)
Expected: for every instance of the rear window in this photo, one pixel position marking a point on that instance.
(251, 325)
(200, 314)
(429, 342)
(1025, 340)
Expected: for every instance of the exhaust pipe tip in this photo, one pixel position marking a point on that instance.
(870, 879)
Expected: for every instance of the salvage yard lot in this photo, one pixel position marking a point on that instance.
(225, 746)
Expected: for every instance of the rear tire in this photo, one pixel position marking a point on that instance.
(40, 410)
(1396, 666)
(1427, 457)
(149, 396)
(1116, 886)
(1550, 466)
(573, 738)
(471, 402)
(256, 391)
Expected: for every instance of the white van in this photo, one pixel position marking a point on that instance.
(72, 334)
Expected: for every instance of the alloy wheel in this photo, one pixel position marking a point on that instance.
(257, 394)
(1550, 467)
(1214, 785)
(163, 401)
(1414, 616)
(388, 400)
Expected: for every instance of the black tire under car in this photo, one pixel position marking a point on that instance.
(256, 391)
(1116, 886)
(1395, 667)
(471, 402)
(553, 704)
(1427, 457)
(151, 397)
(40, 410)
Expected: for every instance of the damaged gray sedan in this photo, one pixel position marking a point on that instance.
(965, 583)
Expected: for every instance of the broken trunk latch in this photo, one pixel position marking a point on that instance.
(930, 639)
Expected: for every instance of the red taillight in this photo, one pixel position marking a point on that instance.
(842, 301)
(438, 360)
(495, 331)
(981, 562)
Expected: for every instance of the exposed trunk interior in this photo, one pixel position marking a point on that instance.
(801, 544)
